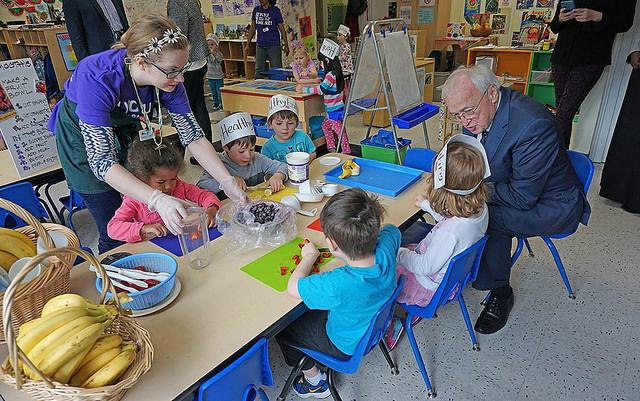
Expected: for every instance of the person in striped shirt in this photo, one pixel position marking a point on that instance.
(332, 89)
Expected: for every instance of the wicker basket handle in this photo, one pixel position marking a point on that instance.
(28, 217)
(15, 353)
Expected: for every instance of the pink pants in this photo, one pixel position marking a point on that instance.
(331, 128)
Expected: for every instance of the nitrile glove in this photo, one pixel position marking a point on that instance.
(171, 210)
(231, 188)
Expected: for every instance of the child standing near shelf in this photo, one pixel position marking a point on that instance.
(158, 166)
(282, 118)
(247, 167)
(343, 301)
(332, 89)
(344, 53)
(266, 19)
(215, 75)
(304, 69)
(456, 196)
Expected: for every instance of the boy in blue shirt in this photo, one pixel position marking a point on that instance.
(342, 302)
(282, 117)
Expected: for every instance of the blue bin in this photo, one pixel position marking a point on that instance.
(263, 131)
(415, 115)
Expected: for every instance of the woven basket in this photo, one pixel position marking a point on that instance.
(48, 390)
(54, 280)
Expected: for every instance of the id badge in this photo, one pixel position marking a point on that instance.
(145, 134)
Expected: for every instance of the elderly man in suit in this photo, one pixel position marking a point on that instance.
(94, 25)
(533, 188)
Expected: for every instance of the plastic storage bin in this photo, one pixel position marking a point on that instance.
(155, 262)
(263, 131)
(541, 76)
(381, 147)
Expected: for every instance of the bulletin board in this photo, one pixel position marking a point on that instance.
(135, 9)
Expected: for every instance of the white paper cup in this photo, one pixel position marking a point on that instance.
(330, 189)
(17, 267)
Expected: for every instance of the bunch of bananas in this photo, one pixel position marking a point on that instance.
(67, 343)
(13, 246)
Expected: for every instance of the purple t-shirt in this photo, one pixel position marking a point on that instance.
(267, 20)
(99, 85)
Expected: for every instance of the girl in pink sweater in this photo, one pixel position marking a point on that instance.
(159, 168)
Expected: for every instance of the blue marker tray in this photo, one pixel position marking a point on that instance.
(415, 115)
(375, 176)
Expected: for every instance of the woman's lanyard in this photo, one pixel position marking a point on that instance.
(148, 131)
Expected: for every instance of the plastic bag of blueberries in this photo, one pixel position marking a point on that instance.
(257, 224)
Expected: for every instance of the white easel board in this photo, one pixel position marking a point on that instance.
(24, 113)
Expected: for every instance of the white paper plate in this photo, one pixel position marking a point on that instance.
(329, 160)
(177, 286)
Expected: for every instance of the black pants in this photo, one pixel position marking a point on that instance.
(194, 85)
(308, 331)
(103, 207)
(572, 84)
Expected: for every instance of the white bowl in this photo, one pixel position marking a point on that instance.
(309, 197)
(17, 267)
(330, 189)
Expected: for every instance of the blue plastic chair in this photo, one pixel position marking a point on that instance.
(372, 337)
(243, 379)
(73, 204)
(462, 269)
(420, 158)
(24, 195)
(584, 170)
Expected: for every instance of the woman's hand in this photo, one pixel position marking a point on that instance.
(171, 210)
(211, 216)
(634, 60)
(565, 16)
(586, 15)
(153, 230)
(276, 182)
(418, 201)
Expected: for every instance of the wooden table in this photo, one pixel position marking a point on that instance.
(253, 98)
(220, 311)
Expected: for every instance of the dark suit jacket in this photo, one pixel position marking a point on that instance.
(88, 28)
(532, 178)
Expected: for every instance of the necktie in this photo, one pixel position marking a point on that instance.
(485, 134)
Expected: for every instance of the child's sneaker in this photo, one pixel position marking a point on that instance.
(216, 106)
(394, 332)
(304, 389)
(415, 320)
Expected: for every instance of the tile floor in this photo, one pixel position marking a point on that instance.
(553, 348)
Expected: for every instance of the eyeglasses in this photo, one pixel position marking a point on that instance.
(468, 114)
(173, 73)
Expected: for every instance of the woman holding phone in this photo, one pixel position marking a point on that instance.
(586, 30)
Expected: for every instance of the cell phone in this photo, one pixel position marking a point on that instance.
(568, 5)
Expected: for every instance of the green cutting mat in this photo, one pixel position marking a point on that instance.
(267, 267)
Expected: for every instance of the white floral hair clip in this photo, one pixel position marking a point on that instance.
(155, 45)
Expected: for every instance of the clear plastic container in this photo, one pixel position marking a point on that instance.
(541, 76)
(194, 240)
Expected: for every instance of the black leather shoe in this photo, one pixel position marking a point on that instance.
(494, 316)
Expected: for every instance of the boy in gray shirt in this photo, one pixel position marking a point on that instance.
(239, 157)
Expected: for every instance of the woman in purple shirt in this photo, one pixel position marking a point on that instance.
(111, 98)
(267, 20)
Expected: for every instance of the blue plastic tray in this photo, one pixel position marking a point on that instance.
(375, 176)
(415, 115)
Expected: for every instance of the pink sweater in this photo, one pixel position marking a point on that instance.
(132, 215)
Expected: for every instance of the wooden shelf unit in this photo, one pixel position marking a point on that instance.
(236, 62)
(515, 63)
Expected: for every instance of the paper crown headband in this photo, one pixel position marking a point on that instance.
(440, 165)
(329, 48)
(344, 30)
(155, 45)
(281, 102)
(235, 126)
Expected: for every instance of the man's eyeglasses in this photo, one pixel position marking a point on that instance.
(468, 114)
(173, 73)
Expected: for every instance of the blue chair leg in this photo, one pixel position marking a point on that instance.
(431, 392)
(263, 395)
(526, 242)
(70, 220)
(465, 315)
(559, 265)
(514, 258)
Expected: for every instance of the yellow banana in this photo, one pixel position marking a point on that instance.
(355, 168)
(20, 236)
(63, 375)
(88, 369)
(15, 246)
(71, 347)
(46, 326)
(7, 259)
(110, 372)
(103, 344)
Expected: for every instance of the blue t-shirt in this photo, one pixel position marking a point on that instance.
(99, 85)
(299, 142)
(352, 295)
(267, 20)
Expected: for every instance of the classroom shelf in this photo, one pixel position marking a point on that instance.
(515, 63)
(238, 62)
(541, 83)
(543, 92)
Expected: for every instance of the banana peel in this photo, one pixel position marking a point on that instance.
(349, 168)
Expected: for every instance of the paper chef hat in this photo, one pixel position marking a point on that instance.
(344, 30)
(440, 166)
(235, 126)
(329, 48)
(281, 102)
(214, 38)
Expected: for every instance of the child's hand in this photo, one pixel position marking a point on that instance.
(211, 216)
(419, 199)
(298, 88)
(309, 251)
(275, 182)
(153, 230)
(241, 183)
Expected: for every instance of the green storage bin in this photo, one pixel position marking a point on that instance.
(382, 149)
